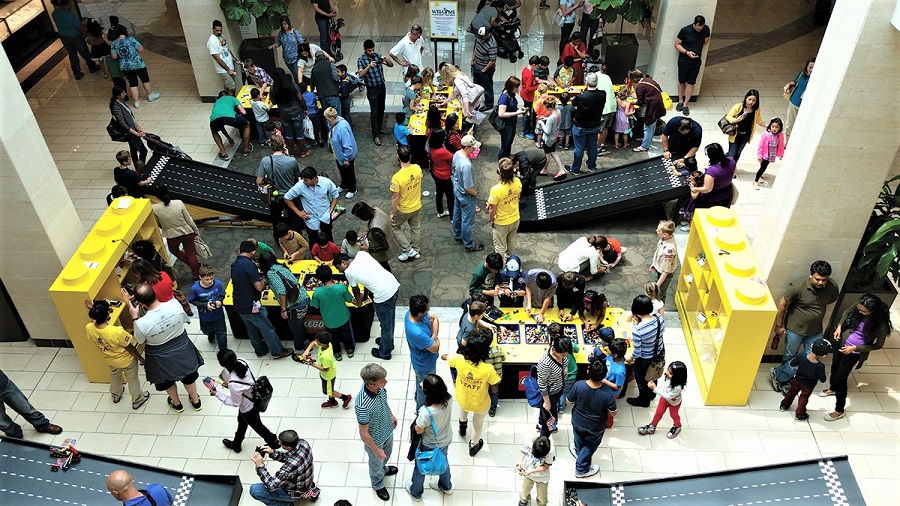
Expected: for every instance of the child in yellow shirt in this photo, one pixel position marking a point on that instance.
(119, 353)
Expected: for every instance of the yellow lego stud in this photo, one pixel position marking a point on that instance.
(750, 292)
(731, 240)
(742, 266)
(721, 216)
(108, 226)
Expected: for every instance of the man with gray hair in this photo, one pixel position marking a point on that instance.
(586, 124)
(376, 426)
(410, 48)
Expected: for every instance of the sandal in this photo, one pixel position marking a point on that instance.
(118, 397)
(640, 149)
(306, 153)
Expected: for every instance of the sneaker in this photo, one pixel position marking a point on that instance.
(79, 76)
(338, 357)
(247, 153)
(415, 253)
(286, 353)
(826, 393)
(383, 494)
(136, 105)
(528, 502)
(144, 398)
(404, 257)
(679, 106)
(377, 141)
(473, 450)
(601, 152)
(594, 469)
(463, 426)
(178, 409)
(782, 407)
(686, 111)
(443, 214)
(831, 417)
(349, 195)
(350, 353)
(492, 412)
(647, 430)
(391, 470)
(152, 97)
(346, 401)
(223, 156)
(528, 135)
(776, 385)
(802, 418)
(414, 498)
(674, 431)
(477, 247)
(377, 354)
(572, 450)
(231, 445)
(198, 405)
(436, 486)
(330, 403)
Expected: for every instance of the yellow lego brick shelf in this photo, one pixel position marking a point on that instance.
(726, 310)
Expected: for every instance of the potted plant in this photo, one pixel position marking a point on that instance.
(877, 258)
(267, 14)
(620, 50)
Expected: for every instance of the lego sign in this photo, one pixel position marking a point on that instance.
(443, 17)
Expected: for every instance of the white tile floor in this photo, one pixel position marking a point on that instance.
(71, 116)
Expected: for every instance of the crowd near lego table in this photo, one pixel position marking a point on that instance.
(546, 333)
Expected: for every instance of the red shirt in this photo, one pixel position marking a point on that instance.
(529, 84)
(441, 160)
(164, 288)
(326, 254)
(578, 80)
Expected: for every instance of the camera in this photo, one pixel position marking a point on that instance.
(259, 450)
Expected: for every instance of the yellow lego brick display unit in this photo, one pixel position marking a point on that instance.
(94, 272)
(726, 309)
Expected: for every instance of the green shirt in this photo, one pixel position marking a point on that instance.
(325, 359)
(573, 363)
(807, 305)
(261, 246)
(482, 279)
(224, 108)
(330, 300)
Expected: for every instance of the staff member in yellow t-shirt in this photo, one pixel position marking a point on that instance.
(406, 203)
(503, 207)
(474, 376)
(119, 353)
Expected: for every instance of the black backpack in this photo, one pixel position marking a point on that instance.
(260, 392)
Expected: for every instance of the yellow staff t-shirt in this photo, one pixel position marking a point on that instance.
(408, 183)
(112, 341)
(505, 197)
(472, 383)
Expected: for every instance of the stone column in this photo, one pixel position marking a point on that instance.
(843, 147)
(38, 222)
(672, 17)
(196, 21)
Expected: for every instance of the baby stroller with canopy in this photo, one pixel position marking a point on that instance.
(507, 35)
(334, 34)
(162, 147)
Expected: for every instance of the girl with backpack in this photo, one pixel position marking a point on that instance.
(238, 381)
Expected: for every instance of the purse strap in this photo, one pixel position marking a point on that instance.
(433, 425)
(286, 283)
(651, 85)
(656, 342)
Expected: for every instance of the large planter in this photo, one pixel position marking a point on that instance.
(620, 52)
(852, 291)
(258, 50)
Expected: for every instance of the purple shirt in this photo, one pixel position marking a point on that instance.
(722, 174)
(856, 338)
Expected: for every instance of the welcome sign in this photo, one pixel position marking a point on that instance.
(444, 20)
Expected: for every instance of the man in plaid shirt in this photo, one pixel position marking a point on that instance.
(295, 478)
(370, 71)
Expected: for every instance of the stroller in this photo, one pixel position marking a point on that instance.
(162, 147)
(334, 34)
(507, 35)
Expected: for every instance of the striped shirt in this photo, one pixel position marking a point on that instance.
(485, 52)
(644, 335)
(551, 375)
(373, 410)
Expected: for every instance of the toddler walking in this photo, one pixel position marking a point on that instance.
(669, 391)
(810, 370)
(119, 353)
(534, 466)
(770, 146)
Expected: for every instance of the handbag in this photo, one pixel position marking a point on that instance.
(497, 122)
(666, 99)
(201, 248)
(431, 462)
(787, 96)
(559, 18)
(658, 362)
(727, 127)
(268, 193)
(116, 132)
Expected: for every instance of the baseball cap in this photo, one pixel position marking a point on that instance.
(482, 31)
(469, 142)
(320, 53)
(512, 265)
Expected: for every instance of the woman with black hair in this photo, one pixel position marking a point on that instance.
(288, 96)
(746, 116)
(289, 40)
(473, 380)
(377, 235)
(552, 370)
(178, 229)
(717, 189)
(162, 284)
(120, 353)
(433, 423)
(648, 330)
(238, 380)
(441, 170)
(453, 133)
(282, 282)
(125, 118)
(863, 329)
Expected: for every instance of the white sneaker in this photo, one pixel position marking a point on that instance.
(153, 96)
(414, 253)
(594, 469)
(443, 214)
(435, 486)
(349, 195)
(137, 105)
(404, 257)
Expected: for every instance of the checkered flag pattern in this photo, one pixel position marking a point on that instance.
(617, 495)
(158, 167)
(540, 203)
(184, 491)
(833, 482)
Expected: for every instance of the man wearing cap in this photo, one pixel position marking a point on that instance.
(410, 48)
(464, 194)
(326, 81)
(484, 63)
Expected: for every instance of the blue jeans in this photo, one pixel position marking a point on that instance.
(785, 372)
(420, 395)
(216, 328)
(279, 497)
(324, 40)
(546, 415)
(345, 109)
(735, 148)
(418, 479)
(495, 397)
(649, 130)
(585, 141)
(507, 135)
(261, 132)
(11, 396)
(464, 218)
(292, 67)
(293, 127)
(384, 311)
(378, 467)
(262, 333)
(486, 81)
(586, 443)
(566, 389)
(334, 101)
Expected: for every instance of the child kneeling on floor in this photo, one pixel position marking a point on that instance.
(327, 367)
(669, 391)
(810, 370)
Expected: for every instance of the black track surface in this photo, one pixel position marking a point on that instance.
(208, 186)
(588, 197)
(804, 483)
(26, 480)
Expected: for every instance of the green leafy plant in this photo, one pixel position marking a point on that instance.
(266, 13)
(633, 11)
(879, 250)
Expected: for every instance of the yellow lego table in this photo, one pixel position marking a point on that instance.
(243, 96)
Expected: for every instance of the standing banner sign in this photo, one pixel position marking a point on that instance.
(443, 17)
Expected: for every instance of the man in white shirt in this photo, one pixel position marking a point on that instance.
(609, 110)
(222, 58)
(410, 48)
(366, 271)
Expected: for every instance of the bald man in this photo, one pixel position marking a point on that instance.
(121, 485)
